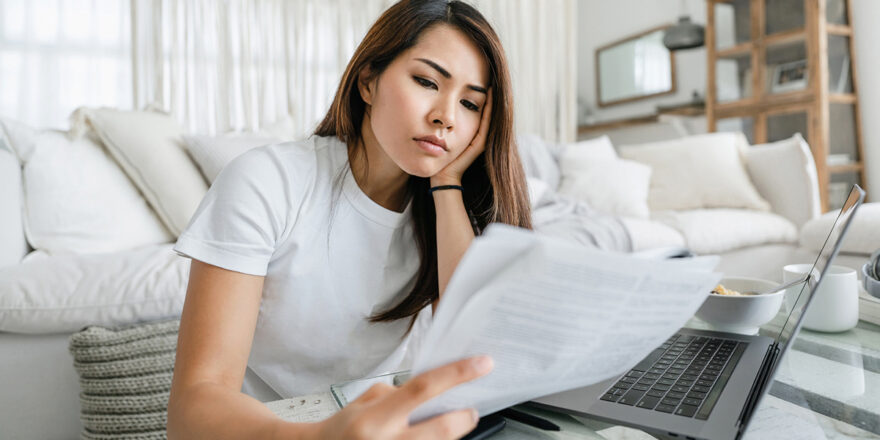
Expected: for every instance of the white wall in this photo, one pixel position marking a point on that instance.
(866, 23)
(601, 22)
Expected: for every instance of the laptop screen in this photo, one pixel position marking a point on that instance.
(828, 251)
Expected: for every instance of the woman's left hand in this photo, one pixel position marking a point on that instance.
(452, 173)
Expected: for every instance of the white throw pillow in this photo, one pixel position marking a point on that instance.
(862, 237)
(76, 198)
(148, 147)
(62, 294)
(711, 231)
(616, 187)
(212, 153)
(702, 171)
(777, 167)
(538, 160)
(585, 153)
(13, 245)
(592, 172)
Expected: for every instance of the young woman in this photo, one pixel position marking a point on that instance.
(311, 260)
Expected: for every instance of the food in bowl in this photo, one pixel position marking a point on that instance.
(742, 313)
(721, 290)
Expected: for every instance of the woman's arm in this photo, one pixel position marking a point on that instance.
(454, 231)
(216, 331)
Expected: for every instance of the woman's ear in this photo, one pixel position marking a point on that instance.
(365, 86)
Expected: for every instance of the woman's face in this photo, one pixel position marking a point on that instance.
(437, 88)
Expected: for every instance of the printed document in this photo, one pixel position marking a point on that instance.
(553, 315)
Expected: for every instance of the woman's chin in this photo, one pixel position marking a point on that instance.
(422, 170)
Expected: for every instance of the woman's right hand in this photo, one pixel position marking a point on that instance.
(382, 412)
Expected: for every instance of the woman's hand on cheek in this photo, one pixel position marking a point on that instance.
(452, 173)
(382, 412)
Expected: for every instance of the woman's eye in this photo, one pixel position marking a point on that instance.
(470, 105)
(424, 83)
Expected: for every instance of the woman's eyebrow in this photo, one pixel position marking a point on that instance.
(448, 75)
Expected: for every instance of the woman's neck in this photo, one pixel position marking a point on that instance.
(376, 174)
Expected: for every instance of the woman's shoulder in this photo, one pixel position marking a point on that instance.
(302, 157)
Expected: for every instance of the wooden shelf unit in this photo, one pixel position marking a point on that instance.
(767, 113)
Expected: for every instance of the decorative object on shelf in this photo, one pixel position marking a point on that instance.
(839, 159)
(685, 34)
(788, 77)
(843, 78)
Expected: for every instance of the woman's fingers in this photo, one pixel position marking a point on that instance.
(434, 382)
(453, 424)
(375, 391)
(480, 139)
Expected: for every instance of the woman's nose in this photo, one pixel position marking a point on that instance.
(443, 114)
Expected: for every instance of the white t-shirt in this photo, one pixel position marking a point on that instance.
(330, 257)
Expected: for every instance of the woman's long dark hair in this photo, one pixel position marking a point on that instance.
(494, 185)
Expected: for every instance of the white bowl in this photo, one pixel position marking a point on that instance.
(741, 314)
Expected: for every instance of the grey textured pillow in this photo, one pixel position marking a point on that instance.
(125, 379)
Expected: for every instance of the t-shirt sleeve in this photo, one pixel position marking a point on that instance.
(239, 221)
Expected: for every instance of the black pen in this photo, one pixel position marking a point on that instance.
(529, 419)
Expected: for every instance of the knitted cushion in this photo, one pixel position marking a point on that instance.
(125, 377)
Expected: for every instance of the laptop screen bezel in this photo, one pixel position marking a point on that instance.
(813, 283)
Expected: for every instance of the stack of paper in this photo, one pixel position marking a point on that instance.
(553, 315)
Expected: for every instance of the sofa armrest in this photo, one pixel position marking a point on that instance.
(784, 173)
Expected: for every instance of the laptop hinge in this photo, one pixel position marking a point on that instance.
(758, 386)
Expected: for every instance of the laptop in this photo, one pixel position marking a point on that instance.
(703, 384)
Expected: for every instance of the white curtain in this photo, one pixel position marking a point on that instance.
(540, 41)
(57, 55)
(232, 65)
(221, 65)
(240, 65)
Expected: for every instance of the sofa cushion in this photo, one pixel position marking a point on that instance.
(212, 153)
(592, 172)
(539, 159)
(649, 234)
(54, 294)
(615, 187)
(711, 231)
(148, 147)
(695, 172)
(862, 237)
(14, 245)
(88, 207)
(590, 151)
(778, 167)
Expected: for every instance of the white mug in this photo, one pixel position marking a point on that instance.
(835, 307)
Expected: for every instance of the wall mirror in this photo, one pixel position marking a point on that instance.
(634, 68)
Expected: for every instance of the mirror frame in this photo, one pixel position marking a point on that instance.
(671, 90)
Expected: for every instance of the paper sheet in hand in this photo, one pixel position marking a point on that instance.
(554, 316)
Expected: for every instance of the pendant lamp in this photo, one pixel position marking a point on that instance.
(684, 35)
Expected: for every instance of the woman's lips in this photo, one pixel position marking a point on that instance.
(430, 148)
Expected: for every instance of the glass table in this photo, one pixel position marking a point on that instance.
(827, 387)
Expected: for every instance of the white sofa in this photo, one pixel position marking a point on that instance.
(45, 295)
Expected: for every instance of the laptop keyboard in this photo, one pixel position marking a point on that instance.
(684, 376)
